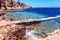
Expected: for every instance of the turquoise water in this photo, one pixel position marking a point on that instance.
(23, 15)
(46, 26)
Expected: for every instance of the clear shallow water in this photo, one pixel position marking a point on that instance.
(23, 15)
(38, 13)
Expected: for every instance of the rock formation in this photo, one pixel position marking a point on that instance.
(11, 4)
(11, 31)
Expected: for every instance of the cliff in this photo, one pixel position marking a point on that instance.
(11, 4)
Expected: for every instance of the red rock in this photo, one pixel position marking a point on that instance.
(11, 4)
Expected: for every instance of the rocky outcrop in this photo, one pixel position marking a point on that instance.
(11, 31)
(53, 36)
(11, 4)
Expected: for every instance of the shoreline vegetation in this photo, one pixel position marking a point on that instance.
(11, 5)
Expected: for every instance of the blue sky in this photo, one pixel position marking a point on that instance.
(42, 3)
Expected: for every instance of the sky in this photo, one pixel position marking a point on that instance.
(42, 3)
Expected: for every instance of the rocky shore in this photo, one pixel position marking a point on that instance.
(51, 36)
(11, 29)
(11, 4)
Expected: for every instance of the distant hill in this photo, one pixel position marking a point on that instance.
(11, 4)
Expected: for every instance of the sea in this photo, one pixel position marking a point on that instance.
(38, 13)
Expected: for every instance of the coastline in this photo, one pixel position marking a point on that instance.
(11, 9)
(10, 28)
(7, 31)
(12, 5)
